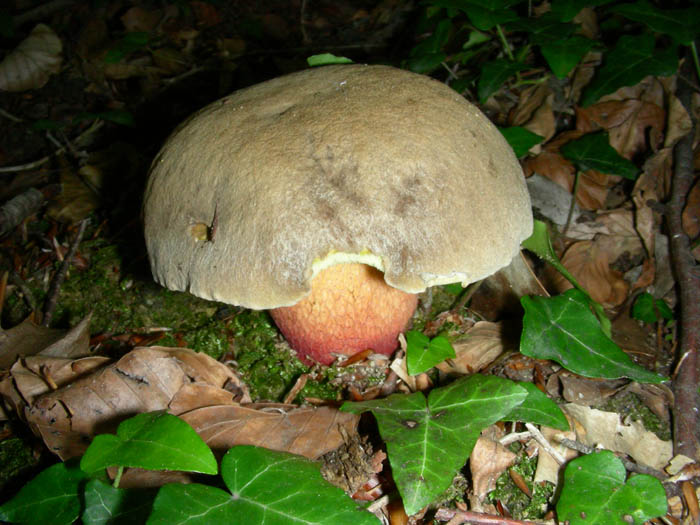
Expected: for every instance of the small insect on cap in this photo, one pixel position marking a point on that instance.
(259, 192)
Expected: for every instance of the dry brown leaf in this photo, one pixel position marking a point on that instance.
(587, 391)
(140, 19)
(629, 123)
(597, 428)
(144, 380)
(593, 187)
(589, 262)
(477, 348)
(679, 123)
(487, 462)
(29, 338)
(650, 89)
(646, 221)
(309, 432)
(33, 61)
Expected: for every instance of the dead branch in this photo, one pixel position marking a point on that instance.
(14, 211)
(60, 276)
(687, 274)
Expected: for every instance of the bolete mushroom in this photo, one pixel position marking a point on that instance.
(332, 196)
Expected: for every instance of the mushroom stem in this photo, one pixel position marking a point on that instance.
(350, 309)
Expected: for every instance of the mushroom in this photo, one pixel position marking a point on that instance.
(332, 196)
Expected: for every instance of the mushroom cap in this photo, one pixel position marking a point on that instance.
(257, 192)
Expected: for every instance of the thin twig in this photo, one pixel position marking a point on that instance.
(546, 445)
(687, 274)
(456, 517)
(9, 116)
(35, 164)
(14, 211)
(60, 276)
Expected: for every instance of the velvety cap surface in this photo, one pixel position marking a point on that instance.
(252, 189)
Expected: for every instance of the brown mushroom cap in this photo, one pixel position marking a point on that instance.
(257, 192)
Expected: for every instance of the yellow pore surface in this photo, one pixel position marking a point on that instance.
(350, 309)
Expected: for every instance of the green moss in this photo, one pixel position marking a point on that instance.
(515, 500)
(16, 459)
(629, 405)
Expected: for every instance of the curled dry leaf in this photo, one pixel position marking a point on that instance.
(144, 380)
(487, 462)
(32, 62)
(589, 262)
(604, 429)
(309, 432)
(477, 348)
(630, 124)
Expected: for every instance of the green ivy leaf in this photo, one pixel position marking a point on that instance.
(483, 14)
(131, 42)
(265, 486)
(595, 493)
(633, 58)
(494, 74)
(543, 28)
(650, 310)
(538, 409)
(564, 330)
(423, 353)
(520, 139)
(563, 55)
(152, 441)
(682, 25)
(429, 440)
(51, 497)
(325, 59)
(105, 504)
(594, 152)
(540, 244)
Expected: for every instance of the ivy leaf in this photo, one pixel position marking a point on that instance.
(494, 74)
(429, 440)
(264, 486)
(594, 152)
(650, 310)
(563, 329)
(538, 409)
(682, 25)
(563, 55)
(520, 139)
(484, 14)
(423, 353)
(152, 441)
(595, 493)
(105, 504)
(540, 244)
(51, 497)
(633, 58)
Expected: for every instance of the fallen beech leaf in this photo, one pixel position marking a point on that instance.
(487, 462)
(477, 348)
(604, 429)
(144, 380)
(547, 467)
(630, 124)
(32, 62)
(29, 338)
(590, 265)
(309, 432)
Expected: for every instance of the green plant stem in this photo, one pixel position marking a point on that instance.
(118, 477)
(696, 61)
(506, 46)
(573, 203)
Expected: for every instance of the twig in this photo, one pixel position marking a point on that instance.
(14, 211)
(303, 22)
(456, 517)
(545, 444)
(9, 116)
(35, 164)
(572, 205)
(60, 276)
(687, 274)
